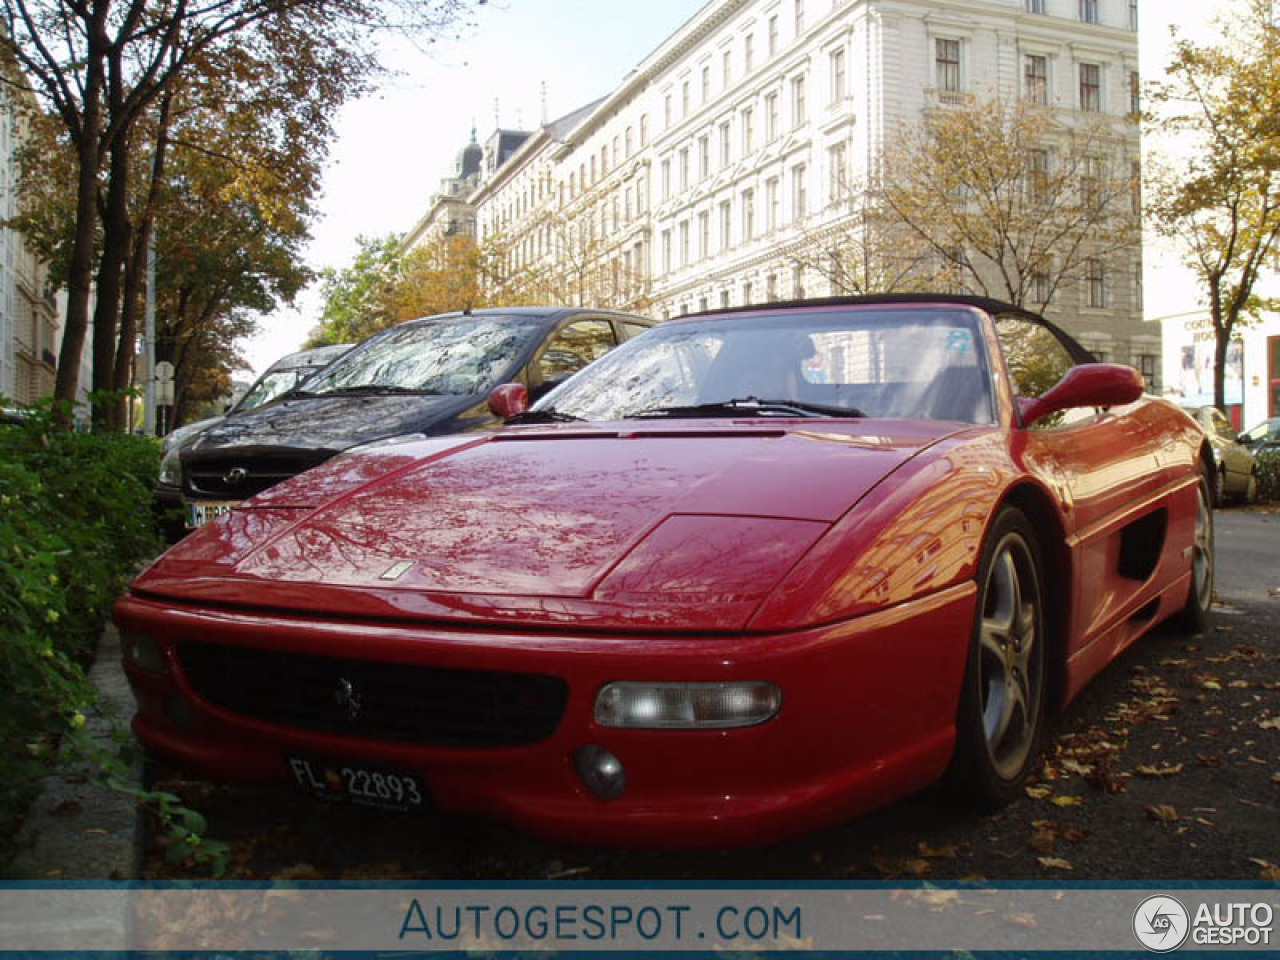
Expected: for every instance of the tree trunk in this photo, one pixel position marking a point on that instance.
(116, 238)
(80, 267)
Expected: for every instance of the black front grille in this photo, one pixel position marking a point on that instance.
(393, 701)
(240, 477)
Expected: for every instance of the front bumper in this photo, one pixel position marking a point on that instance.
(868, 716)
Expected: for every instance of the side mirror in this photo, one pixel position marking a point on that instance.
(1088, 385)
(508, 400)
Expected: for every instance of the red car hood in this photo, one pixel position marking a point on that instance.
(644, 525)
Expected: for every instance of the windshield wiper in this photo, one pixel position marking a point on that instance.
(753, 405)
(545, 415)
(375, 389)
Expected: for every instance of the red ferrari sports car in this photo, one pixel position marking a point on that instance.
(752, 572)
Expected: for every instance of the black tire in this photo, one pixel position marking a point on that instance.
(1003, 703)
(1250, 494)
(1195, 615)
(1220, 489)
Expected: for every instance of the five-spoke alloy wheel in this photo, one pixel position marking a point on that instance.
(1002, 707)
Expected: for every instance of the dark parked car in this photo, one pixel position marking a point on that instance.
(282, 376)
(1265, 436)
(421, 378)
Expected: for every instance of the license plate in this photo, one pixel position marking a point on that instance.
(201, 512)
(372, 786)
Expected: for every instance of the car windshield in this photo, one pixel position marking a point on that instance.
(459, 355)
(270, 386)
(865, 362)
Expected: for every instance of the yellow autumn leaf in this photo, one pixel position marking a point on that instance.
(1067, 801)
(1055, 863)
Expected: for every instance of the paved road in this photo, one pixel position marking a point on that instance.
(1248, 556)
(1159, 770)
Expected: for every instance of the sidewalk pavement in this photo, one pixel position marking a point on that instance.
(77, 829)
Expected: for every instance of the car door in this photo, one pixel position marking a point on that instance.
(1103, 464)
(568, 349)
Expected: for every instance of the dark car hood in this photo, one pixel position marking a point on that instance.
(546, 524)
(330, 423)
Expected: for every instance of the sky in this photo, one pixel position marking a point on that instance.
(395, 145)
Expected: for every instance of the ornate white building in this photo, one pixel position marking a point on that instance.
(692, 184)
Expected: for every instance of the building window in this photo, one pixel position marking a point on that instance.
(746, 293)
(726, 65)
(748, 52)
(797, 283)
(1090, 87)
(1091, 184)
(666, 251)
(684, 169)
(1035, 6)
(799, 18)
(771, 204)
(684, 243)
(799, 110)
(1089, 11)
(704, 157)
(704, 236)
(706, 83)
(836, 163)
(1096, 278)
(1147, 367)
(666, 178)
(748, 215)
(684, 98)
(725, 155)
(641, 196)
(1040, 287)
(799, 192)
(1133, 14)
(748, 131)
(644, 129)
(724, 299)
(1035, 73)
(770, 117)
(1038, 176)
(1135, 187)
(666, 110)
(773, 34)
(771, 288)
(947, 64)
(726, 224)
(838, 80)
(702, 304)
(1135, 94)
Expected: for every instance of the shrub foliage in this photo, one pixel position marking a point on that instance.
(1268, 466)
(75, 520)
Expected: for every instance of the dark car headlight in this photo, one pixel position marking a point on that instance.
(171, 469)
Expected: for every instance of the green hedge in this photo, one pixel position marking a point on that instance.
(1268, 463)
(75, 520)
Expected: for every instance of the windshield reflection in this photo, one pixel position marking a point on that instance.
(462, 355)
(919, 363)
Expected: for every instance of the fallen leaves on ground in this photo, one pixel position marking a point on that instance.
(1163, 812)
(1055, 863)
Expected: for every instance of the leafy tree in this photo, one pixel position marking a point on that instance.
(1217, 193)
(861, 246)
(1012, 199)
(360, 299)
(100, 66)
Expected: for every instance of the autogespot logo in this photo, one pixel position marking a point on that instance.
(1161, 923)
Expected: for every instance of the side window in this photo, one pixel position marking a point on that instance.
(573, 347)
(630, 330)
(1036, 359)
(1222, 426)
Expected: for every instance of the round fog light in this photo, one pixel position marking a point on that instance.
(601, 771)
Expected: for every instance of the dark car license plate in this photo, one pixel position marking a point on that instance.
(358, 783)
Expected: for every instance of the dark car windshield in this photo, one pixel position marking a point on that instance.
(925, 362)
(270, 386)
(458, 355)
